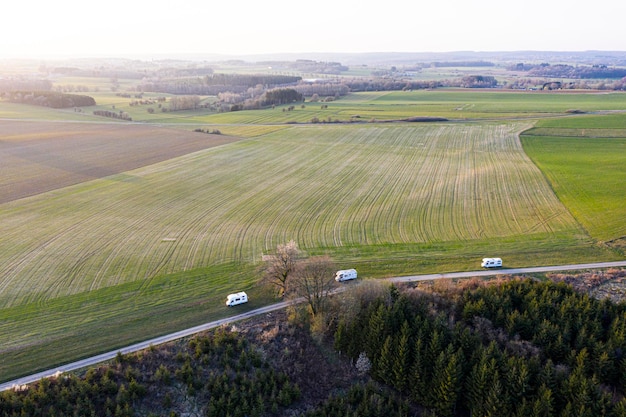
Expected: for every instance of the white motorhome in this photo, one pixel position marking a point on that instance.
(345, 275)
(491, 263)
(236, 298)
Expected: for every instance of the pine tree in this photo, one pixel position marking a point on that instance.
(517, 380)
(432, 351)
(343, 339)
(578, 390)
(604, 368)
(384, 364)
(495, 404)
(476, 386)
(417, 378)
(620, 408)
(547, 376)
(376, 334)
(544, 404)
(402, 356)
(446, 383)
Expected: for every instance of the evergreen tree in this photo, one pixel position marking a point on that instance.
(547, 376)
(402, 357)
(543, 406)
(476, 385)
(417, 378)
(447, 382)
(376, 333)
(605, 369)
(495, 404)
(517, 380)
(384, 365)
(620, 408)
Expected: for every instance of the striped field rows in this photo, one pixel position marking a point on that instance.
(324, 187)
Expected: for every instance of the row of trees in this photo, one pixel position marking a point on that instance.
(384, 84)
(316, 67)
(122, 115)
(190, 102)
(579, 71)
(479, 81)
(521, 349)
(259, 98)
(208, 131)
(318, 89)
(280, 96)
(216, 83)
(52, 99)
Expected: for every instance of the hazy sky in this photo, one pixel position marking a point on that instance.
(121, 28)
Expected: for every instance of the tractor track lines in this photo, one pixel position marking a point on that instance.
(337, 186)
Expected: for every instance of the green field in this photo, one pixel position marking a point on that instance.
(325, 187)
(590, 176)
(363, 107)
(104, 263)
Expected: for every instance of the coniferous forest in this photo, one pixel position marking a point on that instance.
(522, 348)
(517, 347)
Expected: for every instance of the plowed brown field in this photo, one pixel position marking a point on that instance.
(36, 157)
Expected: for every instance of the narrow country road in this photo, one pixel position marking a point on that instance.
(188, 332)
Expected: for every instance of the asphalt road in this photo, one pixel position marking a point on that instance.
(94, 360)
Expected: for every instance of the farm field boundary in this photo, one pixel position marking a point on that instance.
(43, 156)
(589, 178)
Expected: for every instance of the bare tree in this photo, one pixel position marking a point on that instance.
(313, 280)
(281, 265)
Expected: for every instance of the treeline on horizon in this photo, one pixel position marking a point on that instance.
(254, 91)
(216, 83)
(570, 71)
(171, 68)
(51, 99)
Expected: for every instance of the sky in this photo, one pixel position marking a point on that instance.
(72, 28)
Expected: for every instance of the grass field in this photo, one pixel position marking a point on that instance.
(325, 187)
(590, 176)
(41, 156)
(363, 107)
(451, 104)
(139, 253)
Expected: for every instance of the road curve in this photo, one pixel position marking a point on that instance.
(278, 306)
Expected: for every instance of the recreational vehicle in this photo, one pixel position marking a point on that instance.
(491, 263)
(345, 275)
(236, 298)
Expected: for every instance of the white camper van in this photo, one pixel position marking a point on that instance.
(491, 263)
(345, 275)
(236, 298)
